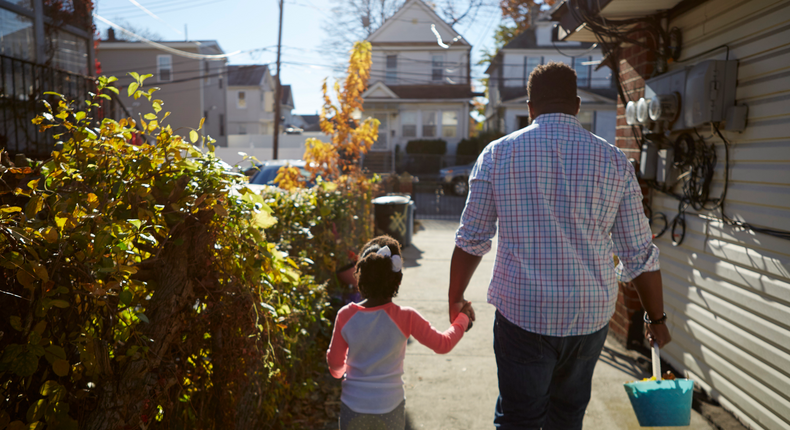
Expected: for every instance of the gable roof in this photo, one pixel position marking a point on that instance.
(379, 91)
(445, 30)
(250, 75)
(287, 97)
(432, 91)
(588, 95)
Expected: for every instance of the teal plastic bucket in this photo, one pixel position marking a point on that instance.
(665, 403)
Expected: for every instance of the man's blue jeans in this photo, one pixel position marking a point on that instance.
(544, 381)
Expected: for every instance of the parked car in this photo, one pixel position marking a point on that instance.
(268, 171)
(455, 179)
(292, 129)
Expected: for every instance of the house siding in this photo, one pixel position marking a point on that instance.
(727, 290)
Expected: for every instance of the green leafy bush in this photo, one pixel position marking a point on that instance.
(473, 146)
(426, 146)
(144, 286)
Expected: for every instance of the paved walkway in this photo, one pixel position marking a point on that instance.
(458, 390)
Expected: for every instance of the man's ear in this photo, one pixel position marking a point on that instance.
(578, 104)
(531, 110)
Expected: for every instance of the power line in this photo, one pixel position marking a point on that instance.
(166, 48)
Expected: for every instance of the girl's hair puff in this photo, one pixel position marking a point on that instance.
(374, 272)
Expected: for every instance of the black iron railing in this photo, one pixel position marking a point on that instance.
(22, 87)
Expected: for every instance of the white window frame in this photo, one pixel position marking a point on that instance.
(159, 67)
(435, 125)
(440, 68)
(241, 99)
(442, 125)
(391, 73)
(416, 123)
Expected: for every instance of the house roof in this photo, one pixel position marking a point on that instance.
(250, 75)
(286, 98)
(442, 27)
(514, 93)
(432, 91)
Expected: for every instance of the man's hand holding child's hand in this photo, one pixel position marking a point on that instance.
(470, 312)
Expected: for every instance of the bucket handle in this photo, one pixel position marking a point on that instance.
(656, 362)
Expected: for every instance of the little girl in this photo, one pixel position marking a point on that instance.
(369, 342)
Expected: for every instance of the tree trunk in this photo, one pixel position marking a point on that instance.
(122, 398)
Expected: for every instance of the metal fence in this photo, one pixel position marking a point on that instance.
(22, 87)
(428, 165)
(433, 201)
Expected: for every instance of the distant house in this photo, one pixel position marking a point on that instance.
(192, 88)
(307, 122)
(420, 86)
(38, 54)
(250, 98)
(509, 72)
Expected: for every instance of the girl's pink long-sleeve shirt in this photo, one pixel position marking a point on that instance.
(368, 346)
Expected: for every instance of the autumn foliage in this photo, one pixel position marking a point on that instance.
(145, 287)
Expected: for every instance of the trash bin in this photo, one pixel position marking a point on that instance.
(394, 215)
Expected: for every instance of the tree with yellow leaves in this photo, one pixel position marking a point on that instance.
(339, 159)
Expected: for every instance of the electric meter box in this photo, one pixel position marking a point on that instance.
(710, 90)
(665, 85)
(705, 91)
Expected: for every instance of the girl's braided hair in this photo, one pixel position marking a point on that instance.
(374, 272)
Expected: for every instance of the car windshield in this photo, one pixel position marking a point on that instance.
(267, 174)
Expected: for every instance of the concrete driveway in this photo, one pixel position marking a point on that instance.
(459, 390)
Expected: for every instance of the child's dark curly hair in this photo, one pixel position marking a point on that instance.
(374, 272)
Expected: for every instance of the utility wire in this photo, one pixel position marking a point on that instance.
(154, 16)
(166, 48)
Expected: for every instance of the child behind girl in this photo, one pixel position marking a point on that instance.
(369, 342)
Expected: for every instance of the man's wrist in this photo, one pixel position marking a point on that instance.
(655, 321)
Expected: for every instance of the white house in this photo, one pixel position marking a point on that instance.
(509, 72)
(420, 86)
(250, 99)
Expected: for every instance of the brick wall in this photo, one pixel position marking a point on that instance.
(636, 65)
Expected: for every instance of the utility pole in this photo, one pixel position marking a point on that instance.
(278, 93)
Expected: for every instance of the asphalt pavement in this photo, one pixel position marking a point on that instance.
(458, 390)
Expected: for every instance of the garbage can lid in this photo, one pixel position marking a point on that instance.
(391, 200)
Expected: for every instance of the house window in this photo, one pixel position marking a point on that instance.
(529, 65)
(268, 101)
(241, 101)
(206, 72)
(437, 67)
(429, 123)
(242, 129)
(220, 82)
(409, 123)
(392, 69)
(205, 115)
(221, 124)
(164, 68)
(449, 123)
(18, 41)
(582, 71)
(586, 118)
(381, 142)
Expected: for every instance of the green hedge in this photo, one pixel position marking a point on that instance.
(426, 146)
(146, 286)
(473, 146)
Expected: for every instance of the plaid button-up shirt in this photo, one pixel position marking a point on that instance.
(565, 201)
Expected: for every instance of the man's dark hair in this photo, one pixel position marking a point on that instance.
(552, 85)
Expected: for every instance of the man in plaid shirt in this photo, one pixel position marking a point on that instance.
(565, 201)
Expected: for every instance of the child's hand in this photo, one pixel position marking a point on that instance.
(470, 312)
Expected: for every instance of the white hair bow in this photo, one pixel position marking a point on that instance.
(397, 262)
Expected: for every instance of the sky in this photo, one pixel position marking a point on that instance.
(242, 25)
